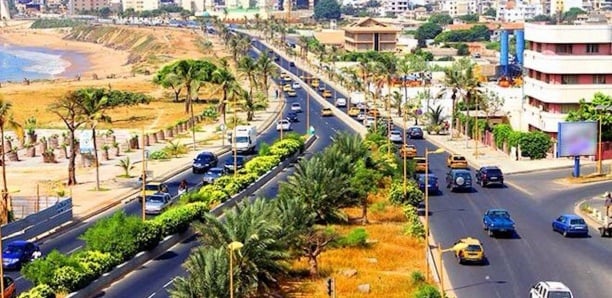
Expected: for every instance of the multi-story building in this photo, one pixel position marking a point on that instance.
(519, 10)
(87, 5)
(395, 6)
(370, 35)
(140, 5)
(455, 8)
(563, 64)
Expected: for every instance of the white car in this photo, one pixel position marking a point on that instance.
(296, 107)
(550, 289)
(361, 116)
(283, 125)
(395, 136)
(296, 85)
(369, 121)
(340, 102)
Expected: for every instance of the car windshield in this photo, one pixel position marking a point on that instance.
(578, 221)
(430, 178)
(204, 157)
(395, 133)
(230, 161)
(154, 187)
(500, 213)
(295, 105)
(155, 199)
(559, 294)
(242, 139)
(458, 158)
(215, 171)
(473, 248)
(13, 249)
(420, 161)
(463, 174)
(493, 172)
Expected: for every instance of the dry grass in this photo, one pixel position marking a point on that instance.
(387, 264)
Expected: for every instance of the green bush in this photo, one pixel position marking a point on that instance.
(149, 236)
(157, 155)
(413, 194)
(176, 220)
(98, 262)
(39, 291)
(357, 237)
(417, 277)
(427, 291)
(212, 194)
(262, 164)
(42, 271)
(501, 132)
(69, 279)
(535, 144)
(115, 235)
(286, 147)
(414, 227)
(263, 149)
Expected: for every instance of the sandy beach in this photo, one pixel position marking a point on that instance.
(101, 60)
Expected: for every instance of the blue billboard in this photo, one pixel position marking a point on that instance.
(577, 138)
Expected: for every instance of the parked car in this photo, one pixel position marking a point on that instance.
(341, 102)
(498, 221)
(415, 132)
(550, 289)
(283, 124)
(10, 290)
(420, 164)
(296, 107)
(395, 136)
(292, 116)
(156, 204)
(408, 151)
(296, 85)
(456, 161)
(212, 175)
(203, 161)
(229, 163)
(18, 252)
(570, 224)
(353, 112)
(469, 250)
(432, 183)
(326, 112)
(489, 174)
(459, 179)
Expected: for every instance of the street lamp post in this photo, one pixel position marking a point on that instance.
(600, 109)
(234, 148)
(405, 116)
(232, 247)
(427, 152)
(144, 177)
(307, 112)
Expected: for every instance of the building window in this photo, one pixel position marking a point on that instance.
(569, 79)
(539, 47)
(599, 79)
(592, 48)
(564, 49)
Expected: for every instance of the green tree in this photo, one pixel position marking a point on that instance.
(463, 49)
(535, 144)
(441, 19)
(224, 77)
(166, 78)
(207, 269)
(543, 18)
(469, 18)
(327, 10)
(94, 104)
(490, 12)
(588, 111)
(427, 31)
(6, 121)
(572, 14)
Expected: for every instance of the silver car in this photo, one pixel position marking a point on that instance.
(157, 203)
(395, 136)
(212, 175)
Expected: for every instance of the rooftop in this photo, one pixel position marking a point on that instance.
(370, 24)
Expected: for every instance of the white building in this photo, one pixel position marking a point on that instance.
(564, 5)
(455, 8)
(519, 10)
(395, 6)
(563, 64)
(140, 5)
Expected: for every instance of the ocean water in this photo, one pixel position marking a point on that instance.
(17, 63)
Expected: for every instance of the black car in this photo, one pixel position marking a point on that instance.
(276, 58)
(292, 117)
(459, 179)
(204, 161)
(415, 133)
(291, 64)
(489, 174)
(229, 163)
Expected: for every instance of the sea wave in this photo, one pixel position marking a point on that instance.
(43, 63)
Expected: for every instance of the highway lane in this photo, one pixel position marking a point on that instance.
(155, 277)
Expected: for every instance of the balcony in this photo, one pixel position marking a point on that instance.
(568, 33)
(567, 64)
(544, 121)
(562, 93)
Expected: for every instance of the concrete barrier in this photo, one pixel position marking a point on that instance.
(143, 257)
(34, 225)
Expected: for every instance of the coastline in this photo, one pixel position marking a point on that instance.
(85, 59)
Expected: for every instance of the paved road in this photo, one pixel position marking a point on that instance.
(155, 277)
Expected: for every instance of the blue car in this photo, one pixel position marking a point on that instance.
(570, 224)
(230, 167)
(17, 253)
(432, 181)
(292, 117)
(212, 175)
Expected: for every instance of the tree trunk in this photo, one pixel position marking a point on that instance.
(95, 152)
(4, 216)
(188, 100)
(314, 265)
(364, 211)
(72, 159)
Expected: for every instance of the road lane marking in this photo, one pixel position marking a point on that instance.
(169, 282)
(18, 278)
(519, 188)
(72, 251)
(151, 295)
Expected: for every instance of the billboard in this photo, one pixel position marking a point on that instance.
(577, 138)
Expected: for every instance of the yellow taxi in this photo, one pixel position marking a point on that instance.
(374, 112)
(456, 161)
(286, 78)
(291, 93)
(420, 165)
(469, 250)
(326, 94)
(314, 83)
(354, 111)
(326, 112)
(287, 88)
(408, 151)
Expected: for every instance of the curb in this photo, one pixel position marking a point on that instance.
(591, 222)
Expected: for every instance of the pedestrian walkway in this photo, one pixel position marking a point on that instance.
(486, 155)
(30, 176)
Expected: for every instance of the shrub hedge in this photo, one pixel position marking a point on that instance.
(113, 240)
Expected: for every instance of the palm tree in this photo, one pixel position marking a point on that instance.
(459, 79)
(266, 67)
(263, 256)
(94, 105)
(397, 98)
(6, 120)
(207, 270)
(248, 69)
(227, 81)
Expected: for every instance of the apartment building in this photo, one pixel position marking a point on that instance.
(87, 5)
(369, 34)
(455, 8)
(563, 64)
(519, 10)
(140, 5)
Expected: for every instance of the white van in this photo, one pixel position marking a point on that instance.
(246, 138)
(550, 289)
(341, 102)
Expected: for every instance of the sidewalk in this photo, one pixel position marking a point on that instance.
(593, 211)
(24, 176)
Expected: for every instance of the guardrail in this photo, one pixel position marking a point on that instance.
(39, 223)
(143, 257)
